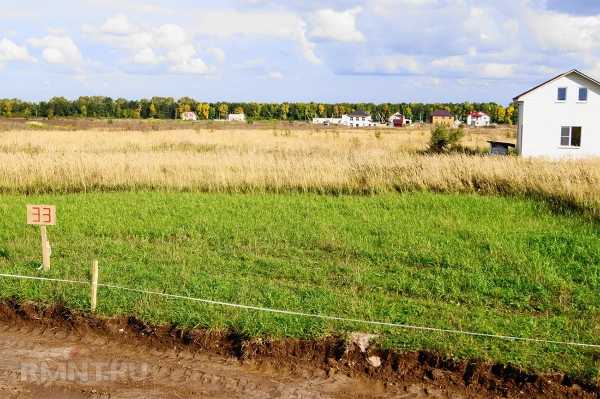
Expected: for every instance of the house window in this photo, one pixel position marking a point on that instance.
(583, 94)
(562, 94)
(570, 136)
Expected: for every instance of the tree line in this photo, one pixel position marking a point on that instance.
(170, 108)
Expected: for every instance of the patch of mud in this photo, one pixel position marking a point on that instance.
(51, 352)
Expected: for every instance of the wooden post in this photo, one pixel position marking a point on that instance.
(43, 215)
(94, 293)
(45, 249)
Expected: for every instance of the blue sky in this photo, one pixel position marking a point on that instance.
(293, 50)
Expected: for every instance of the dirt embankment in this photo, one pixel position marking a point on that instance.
(53, 353)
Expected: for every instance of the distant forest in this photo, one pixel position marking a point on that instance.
(169, 108)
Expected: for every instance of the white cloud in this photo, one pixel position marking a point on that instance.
(566, 33)
(276, 24)
(119, 25)
(497, 71)
(383, 7)
(454, 63)
(168, 44)
(217, 53)
(9, 51)
(146, 56)
(59, 50)
(328, 24)
(183, 59)
(135, 41)
(391, 65)
(169, 35)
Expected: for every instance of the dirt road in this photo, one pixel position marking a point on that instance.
(51, 353)
(37, 361)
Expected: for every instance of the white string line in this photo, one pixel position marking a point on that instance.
(313, 315)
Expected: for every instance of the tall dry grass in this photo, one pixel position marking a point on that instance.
(311, 160)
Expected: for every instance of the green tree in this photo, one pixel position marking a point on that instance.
(322, 110)
(152, 110)
(7, 108)
(284, 111)
(510, 114)
(444, 139)
(203, 110)
(223, 110)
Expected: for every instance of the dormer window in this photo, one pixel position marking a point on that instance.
(562, 94)
(583, 94)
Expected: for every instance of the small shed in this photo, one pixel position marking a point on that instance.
(500, 147)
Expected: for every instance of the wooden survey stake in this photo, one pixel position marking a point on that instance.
(43, 215)
(94, 286)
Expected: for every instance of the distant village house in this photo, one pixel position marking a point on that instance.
(236, 118)
(559, 118)
(358, 119)
(326, 121)
(398, 120)
(478, 119)
(189, 116)
(441, 117)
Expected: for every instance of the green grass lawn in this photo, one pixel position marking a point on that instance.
(486, 264)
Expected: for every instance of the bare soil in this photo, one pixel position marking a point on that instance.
(54, 353)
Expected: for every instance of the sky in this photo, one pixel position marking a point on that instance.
(293, 50)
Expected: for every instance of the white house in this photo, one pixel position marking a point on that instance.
(236, 118)
(326, 121)
(560, 118)
(357, 119)
(478, 119)
(189, 116)
(398, 120)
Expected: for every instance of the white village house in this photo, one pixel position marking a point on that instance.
(560, 118)
(478, 119)
(236, 117)
(189, 116)
(357, 119)
(326, 121)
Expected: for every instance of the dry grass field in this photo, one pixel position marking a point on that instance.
(281, 159)
(159, 208)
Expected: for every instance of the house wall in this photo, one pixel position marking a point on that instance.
(443, 120)
(542, 116)
(478, 122)
(356, 122)
(520, 128)
(236, 118)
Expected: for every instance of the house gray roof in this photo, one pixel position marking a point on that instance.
(572, 71)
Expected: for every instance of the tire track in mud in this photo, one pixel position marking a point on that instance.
(36, 357)
(52, 353)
